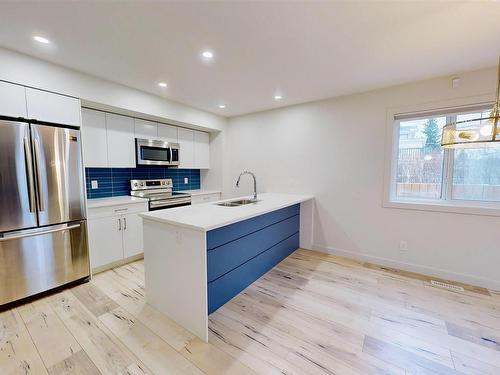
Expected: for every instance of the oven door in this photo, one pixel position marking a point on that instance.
(161, 204)
(152, 152)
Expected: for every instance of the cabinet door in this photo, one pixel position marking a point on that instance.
(186, 142)
(167, 133)
(95, 145)
(105, 240)
(121, 147)
(145, 129)
(50, 107)
(201, 150)
(13, 102)
(132, 235)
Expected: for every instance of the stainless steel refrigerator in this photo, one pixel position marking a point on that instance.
(43, 231)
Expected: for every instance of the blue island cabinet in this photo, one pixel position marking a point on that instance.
(240, 253)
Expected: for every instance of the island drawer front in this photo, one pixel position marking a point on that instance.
(221, 236)
(232, 254)
(226, 287)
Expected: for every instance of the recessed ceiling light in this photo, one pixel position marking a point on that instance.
(222, 106)
(207, 54)
(41, 39)
(278, 97)
(162, 84)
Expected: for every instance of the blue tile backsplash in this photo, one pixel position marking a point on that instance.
(114, 182)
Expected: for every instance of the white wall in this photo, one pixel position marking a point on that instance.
(102, 94)
(335, 150)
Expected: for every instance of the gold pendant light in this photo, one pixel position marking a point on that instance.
(475, 133)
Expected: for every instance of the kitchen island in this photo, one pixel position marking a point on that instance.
(198, 257)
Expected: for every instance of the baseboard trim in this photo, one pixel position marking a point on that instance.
(412, 267)
(117, 263)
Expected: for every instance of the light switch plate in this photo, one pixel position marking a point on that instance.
(186, 180)
(94, 184)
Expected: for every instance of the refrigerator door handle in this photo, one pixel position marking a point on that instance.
(29, 174)
(38, 233)
(41, 205)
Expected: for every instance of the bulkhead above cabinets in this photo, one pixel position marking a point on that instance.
(109, 140)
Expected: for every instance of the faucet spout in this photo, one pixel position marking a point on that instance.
(254, 182)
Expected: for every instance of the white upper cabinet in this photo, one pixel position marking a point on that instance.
(50, 107)
(145, 129)
(109, 140)
(201, 150)
(167, 133)
(186, 143)
(12, 100)
(121, 147)
(95, 145)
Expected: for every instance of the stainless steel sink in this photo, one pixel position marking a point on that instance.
(237, 202)
(227, 204)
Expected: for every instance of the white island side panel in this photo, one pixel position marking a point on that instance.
(175, 262)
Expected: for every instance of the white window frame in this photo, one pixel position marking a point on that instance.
(445, 203)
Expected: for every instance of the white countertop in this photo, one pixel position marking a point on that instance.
(200, 192)
(209, 216)
(114, 201)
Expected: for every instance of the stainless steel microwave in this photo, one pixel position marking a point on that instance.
(156, 152)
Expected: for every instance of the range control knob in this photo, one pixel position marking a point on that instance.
(135, 183)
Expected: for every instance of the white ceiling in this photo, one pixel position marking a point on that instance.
(303, 50)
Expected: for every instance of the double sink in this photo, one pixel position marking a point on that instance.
(237, 202)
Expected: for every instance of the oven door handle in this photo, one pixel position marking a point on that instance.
(169, 202)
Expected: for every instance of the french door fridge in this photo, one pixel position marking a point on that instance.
(43, 232)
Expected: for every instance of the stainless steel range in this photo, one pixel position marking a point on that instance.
(160, 194)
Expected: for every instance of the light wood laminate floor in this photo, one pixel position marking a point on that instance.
(312, 314)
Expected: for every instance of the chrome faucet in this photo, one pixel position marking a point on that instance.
(254, 183)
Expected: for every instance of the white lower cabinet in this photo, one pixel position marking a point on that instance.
(132, 235)
(105, 241)
(115, 234)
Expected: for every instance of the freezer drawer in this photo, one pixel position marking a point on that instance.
(33, 261)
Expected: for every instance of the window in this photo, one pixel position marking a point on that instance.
(420, 159)
(423, 171)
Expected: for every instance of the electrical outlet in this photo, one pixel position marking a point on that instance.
(186, 180)
(94, 184)
(403, 245)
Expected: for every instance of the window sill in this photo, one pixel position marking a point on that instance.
(458, 207)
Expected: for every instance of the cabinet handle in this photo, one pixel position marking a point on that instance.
(119, 224)
(124, 223)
